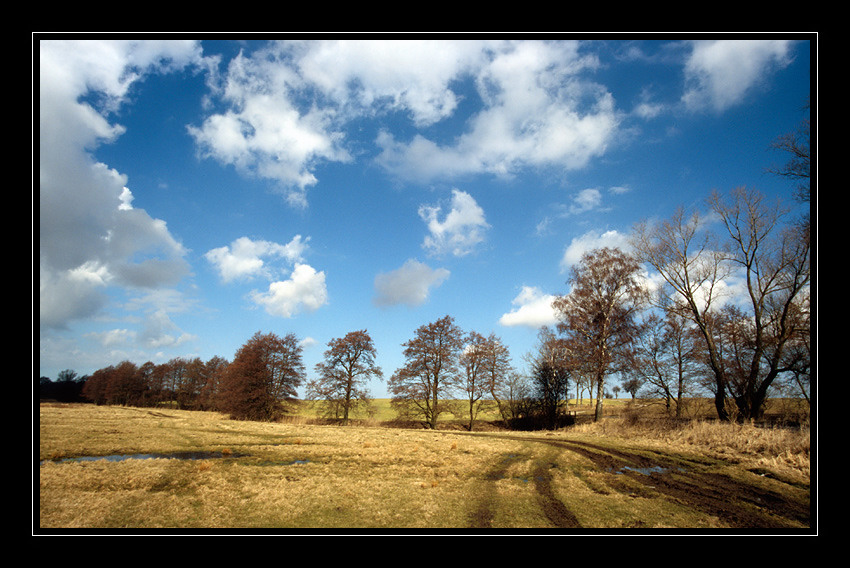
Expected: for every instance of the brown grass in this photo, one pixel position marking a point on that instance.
(783, 450)
(297, 474)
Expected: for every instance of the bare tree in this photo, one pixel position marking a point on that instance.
(667, 361)
(798, 167)
(192, 380)
(770, 259)
(213, 372)
(551, 366)
(693, 272)
(430, 370)
(599, 312)
(498, 373)
(474, 382)
(515, 394)
(774, 260)
(344, 374)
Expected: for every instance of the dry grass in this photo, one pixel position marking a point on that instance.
(781, 450)
(298, 475)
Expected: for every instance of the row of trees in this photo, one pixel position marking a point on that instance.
(442, 364)
(263, 376)
(693, 328)
(746, 345)
(684, 333)
(730, 312)
(190, 384)
(665, 339)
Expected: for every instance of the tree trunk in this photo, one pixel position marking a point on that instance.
(600, 385)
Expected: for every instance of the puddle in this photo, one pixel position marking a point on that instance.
(646, 470)
(277, 463)
(174, 455)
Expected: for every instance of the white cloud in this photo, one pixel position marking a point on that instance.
(537, 112)
(265, 133)
(305, 290)
(589, 199)
(593, 240)
(244, 257)
(534, 309)
(405, 75)
(585, 200)
(410, 285)
(287, 108)
(719, 74)
(114, 337)
(269, 132)
(86, 218)
(68, 295)
(461, 230)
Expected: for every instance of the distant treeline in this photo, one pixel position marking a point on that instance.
(67, 388)
(181, 382)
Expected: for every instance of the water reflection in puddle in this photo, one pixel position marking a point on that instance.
(646, 470)
(173, 455)
(277, 463)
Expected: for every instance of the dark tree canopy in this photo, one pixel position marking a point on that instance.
(551, 371)
(264, 374)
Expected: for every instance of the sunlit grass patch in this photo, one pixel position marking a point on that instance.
(257, 475)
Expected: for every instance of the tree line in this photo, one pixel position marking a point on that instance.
(666, 340)
(670, 338)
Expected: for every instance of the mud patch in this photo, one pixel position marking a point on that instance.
(736, 503)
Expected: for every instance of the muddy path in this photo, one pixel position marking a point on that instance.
(690, 483)
(558, 515)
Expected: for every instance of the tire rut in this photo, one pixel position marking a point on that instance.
(555, 511)
(737, 504)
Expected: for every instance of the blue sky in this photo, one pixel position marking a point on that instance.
(195, 192)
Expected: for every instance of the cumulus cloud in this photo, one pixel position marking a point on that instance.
(407, 76)
(69, 295)
(264, 132)
(268, 130)
(409, 285)
(534, 309)
(592, 240)
(304, 290)
(460, 231)
(243, 258)
(720, 73)
(286, 109)
(91, 238)
(538, 112)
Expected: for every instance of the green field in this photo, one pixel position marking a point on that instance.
(299, 475)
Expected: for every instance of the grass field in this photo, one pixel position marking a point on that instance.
(624, 473)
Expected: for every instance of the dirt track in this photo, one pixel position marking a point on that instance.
(736, 504)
